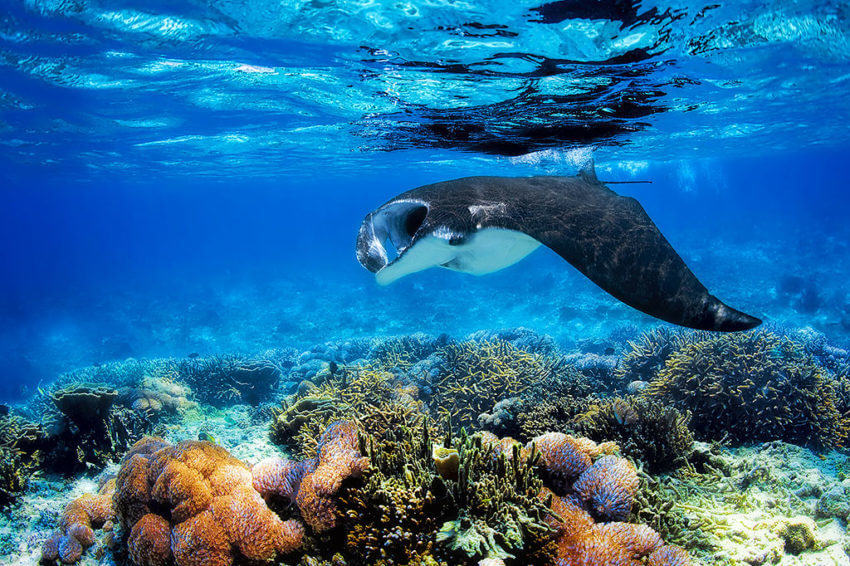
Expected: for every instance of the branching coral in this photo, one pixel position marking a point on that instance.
(76, 529)
(645, 429)
(368, 394)
(404, 351)
(752, 387)
(201, 500)
(475, 375)
(648, 354)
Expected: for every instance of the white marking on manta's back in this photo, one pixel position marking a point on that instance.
(485, 251)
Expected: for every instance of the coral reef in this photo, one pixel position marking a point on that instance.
(751, 387)
(222, 380)
(22, 445)
(402, 352)
(195, 502)
(645, 429)
(648, 354)
(552, 404)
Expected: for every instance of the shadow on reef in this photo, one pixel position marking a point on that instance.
(418, 450)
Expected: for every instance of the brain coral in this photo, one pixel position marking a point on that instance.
(76, 531)
(338, 458)
(581, 542)
(195, 503)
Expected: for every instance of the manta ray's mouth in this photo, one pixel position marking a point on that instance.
(387, 233)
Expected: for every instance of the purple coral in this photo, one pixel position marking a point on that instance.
(609, 487)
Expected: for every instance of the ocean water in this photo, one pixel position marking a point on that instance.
(188, 178)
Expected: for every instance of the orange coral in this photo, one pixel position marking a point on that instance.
(195, 503)
(76, 528)
(338, 458)
(581, 542)
(150, 541)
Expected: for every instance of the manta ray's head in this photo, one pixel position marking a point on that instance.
(397, 239)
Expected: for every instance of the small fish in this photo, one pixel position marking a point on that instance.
(609, 350)
(206, 437)
(193, 355)
(333, 367)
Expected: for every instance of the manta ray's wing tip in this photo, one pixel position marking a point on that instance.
(727, 319)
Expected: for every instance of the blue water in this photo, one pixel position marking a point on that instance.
(190, 177)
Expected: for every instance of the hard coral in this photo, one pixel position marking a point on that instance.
(474, 376)
(581, 542)
(752, 387)
(369, 394)
(645, 429)
(76, 528)
(204, 499)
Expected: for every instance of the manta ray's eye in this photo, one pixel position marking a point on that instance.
(414, 220)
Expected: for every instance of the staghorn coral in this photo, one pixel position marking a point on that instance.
(647, 355)
(76, 528)
(369, 394)
(751, 387)
(552, 404)
(204, 499)
(474, 376)
(13, 477)
(645, 429)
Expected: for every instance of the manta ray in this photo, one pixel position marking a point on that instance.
(479, 225)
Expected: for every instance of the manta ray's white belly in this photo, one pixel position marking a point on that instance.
(486, 251)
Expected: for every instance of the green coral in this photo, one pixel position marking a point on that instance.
(749, 388)
(645, 429)
(368, 394)
(648, 354)
(474, 376)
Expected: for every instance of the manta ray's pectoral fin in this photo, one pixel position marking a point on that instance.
(612, 241)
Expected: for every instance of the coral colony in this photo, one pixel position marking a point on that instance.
(495, 449)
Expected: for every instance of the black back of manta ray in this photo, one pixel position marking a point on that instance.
(608, 237)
